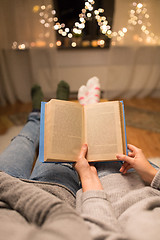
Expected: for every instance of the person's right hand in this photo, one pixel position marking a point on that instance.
(137, 160)
(87, 172)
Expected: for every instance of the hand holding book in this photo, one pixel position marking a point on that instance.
(87, 172)
(135, 159)
(138, 161)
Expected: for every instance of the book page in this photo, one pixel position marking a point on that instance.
(64, 133)
(103, 131)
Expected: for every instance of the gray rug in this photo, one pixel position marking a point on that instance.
(143, 119)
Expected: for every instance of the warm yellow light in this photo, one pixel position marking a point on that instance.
(74, 44)
(109, 32)
(70, 35)
(50, 19)
(103, 18)
(76, 24)
(139, 5)
(89, 14)
(55, 19)
(56, 27)
(67, 30)
(58, 43)
(144, 10)
(135, 37)
(121, 33)
(40, 43)
(143, 28)
(42, 21)
(62, 25)
(47, 25)
(64, 34)
(41, 14)
(33, 44)
(86, 43)
(114, 34)
(119, 39)
(49, 6)
(36, 8)
(138, 11)
(22, 46)
(146, 15)
(149, 40)
(53, 12)
(60, 31)
(14, 45)
(124, 30)
(43, 7)
(82, 25)
(96, 12)
(51, 45)
(81, 19)
(94, 43)
(132, 11)
(101, 42)
(146, 32)
(101, 10)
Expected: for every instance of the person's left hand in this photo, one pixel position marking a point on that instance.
(137, 160)
(87, 173)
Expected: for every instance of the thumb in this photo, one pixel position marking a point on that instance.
(83, 151)
(125, 158)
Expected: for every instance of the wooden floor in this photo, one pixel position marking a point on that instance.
(146, 140)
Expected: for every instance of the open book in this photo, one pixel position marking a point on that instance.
(65, 126)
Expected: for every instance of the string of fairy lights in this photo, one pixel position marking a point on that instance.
(138, 16)
(47, 15)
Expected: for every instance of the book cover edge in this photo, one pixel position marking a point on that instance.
(41, 137)
(125, 132)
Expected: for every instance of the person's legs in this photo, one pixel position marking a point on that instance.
(61, 173)
(17, 159)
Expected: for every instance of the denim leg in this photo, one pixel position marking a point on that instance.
(17, 159)
(61, 173)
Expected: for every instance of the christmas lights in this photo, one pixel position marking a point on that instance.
(87, 12)
(138, 17)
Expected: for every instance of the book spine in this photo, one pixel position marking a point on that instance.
(41, 137)
(124, 120)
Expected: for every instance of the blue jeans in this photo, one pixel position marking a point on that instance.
(18, 158)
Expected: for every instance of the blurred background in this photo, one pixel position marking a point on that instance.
(46, 41)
